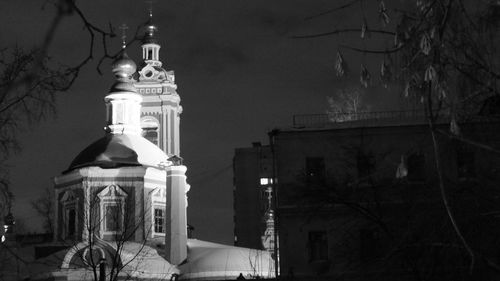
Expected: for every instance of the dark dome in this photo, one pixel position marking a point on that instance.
(113, 151)
(150, 30)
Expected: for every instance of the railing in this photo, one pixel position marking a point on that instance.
(322, 120)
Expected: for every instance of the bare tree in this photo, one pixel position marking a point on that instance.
(44, 206)
(346, 105)
(30, 80)
(448, 62)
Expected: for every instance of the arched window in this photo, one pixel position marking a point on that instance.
(150, 130)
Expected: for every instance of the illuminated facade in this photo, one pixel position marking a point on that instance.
(120, 207)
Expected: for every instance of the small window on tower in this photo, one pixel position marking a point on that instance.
(150, 129)
(150, 54)
(151, 134)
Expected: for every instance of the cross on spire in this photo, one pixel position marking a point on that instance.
(150, 8)
(124, 28)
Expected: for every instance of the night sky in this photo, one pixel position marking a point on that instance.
(239, 74)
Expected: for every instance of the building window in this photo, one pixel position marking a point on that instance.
(368, 241)
(416, 167)
(112, 209)
(318, 246)
(315, 170)
(365, 164)
(150, 54)
(159, 220)
(158, 211)
(465, 162)
(266, 181)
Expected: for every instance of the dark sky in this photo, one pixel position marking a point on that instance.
(239, 74)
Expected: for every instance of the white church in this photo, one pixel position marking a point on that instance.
(121, 204)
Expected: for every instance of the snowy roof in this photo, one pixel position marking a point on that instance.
(115, 150)
(214, 261)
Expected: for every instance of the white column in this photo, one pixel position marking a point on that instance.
(176, 230)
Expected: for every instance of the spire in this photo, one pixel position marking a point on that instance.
(150, 28)
(124, 28)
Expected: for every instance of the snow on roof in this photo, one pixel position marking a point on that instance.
(114, 150)
(208, 260)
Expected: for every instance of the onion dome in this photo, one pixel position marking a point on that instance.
(123, 68)
(150, 30)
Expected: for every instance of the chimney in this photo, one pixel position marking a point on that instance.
(176, 222)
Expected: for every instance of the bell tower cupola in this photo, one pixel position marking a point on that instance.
(150, 46)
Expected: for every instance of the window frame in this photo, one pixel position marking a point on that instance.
(317, 245)
(162, 218)
(69, 202)
(111, 195)
(158, 197)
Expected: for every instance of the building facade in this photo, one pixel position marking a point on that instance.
(252, 168)
(361, 200)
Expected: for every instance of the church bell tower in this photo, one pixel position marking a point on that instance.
(161, 109)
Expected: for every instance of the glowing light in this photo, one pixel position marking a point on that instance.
(266, 181)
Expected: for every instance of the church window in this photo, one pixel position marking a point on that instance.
(69, 203)
(112, 217)
(112, 209)
(71, 222)
(159, 220)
